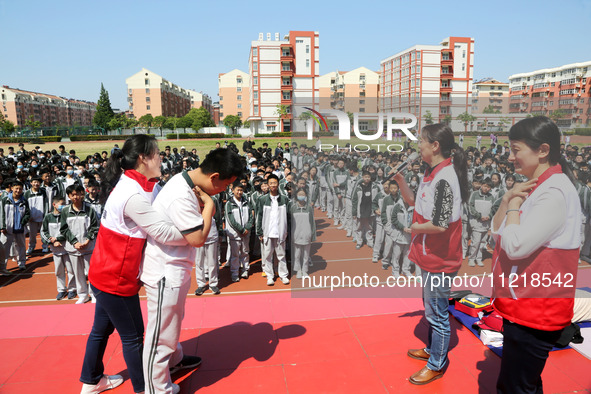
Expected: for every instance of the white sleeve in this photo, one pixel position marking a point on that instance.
(153, 222)
(185, 214)
(545, 217)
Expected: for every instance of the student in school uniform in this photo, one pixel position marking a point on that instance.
(363, 195)
(207, 259)
(391, 199)
(303, 229)
(480, 205)
(92, 197)
(14, 218)
(37, 200)
(166, 272)
(537, 231)
(272, 231)
(401, 218)
(352, 181)
(239, 221)
(50, 234)
(376, 206)
(338, 184)
(79, 226)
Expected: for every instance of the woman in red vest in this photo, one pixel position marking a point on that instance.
(127, 220)
(436, 244)
(536, 256)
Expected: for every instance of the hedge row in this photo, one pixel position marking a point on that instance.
(100, 137)
(32, 140)
(582, 131)
(298, 134)
(186, 136)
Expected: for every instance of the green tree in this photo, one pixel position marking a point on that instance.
(6, 126)
(32, 123)
(233, 122)
(146, 120)
(558, 114)
(466, 118)
(490, 110)
(281, 111)
(171, 123)
(504, 121)
(200, 117)
(104, 112)
(246, 124)
(428, 117)
(350, 116)
(447, 119)
(159, 121)
(184, 122)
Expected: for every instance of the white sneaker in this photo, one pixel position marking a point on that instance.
(106, 383)
(84, 300)
(270, 281)
(285, 281)
(471, 263)
(479, 263)
(176, 388)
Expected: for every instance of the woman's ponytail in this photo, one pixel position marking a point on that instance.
(567, 170)
(460, 162)
(111, 174)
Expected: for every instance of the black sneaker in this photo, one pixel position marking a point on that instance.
(188, 362)
(200, 290)
(72, 294)
(61, 295)
(214, 289)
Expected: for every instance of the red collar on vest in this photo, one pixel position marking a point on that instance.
(436, 169)
(557, 169)
(145, 183)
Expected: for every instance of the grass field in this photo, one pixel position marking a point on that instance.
(203, 146)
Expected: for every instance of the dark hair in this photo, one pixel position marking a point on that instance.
(237, 183)
(76, 187)
(223, 161)
(539, 130)
(57, 198)
(93, 183)
(443, 134)
(272, 176)
(488, 182)
(16, 183)
(36, 178)
(126, 159)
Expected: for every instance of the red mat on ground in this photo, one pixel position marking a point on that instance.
(271, 343)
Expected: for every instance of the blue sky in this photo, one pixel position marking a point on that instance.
(69, 47)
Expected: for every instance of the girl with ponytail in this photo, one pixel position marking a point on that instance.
(436, 244)
(127, 220)
(537, 234)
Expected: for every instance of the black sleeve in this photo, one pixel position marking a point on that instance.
(443, 204)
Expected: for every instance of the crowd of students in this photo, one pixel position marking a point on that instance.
(269, 211)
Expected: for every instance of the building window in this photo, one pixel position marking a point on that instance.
(361, 109)
(255, 51)
(147, 81)
(221, 98)
(239, 114)
(286, 96)
(130, 91)
(147, 99)
(464, 54)
(307, 48)
(361, 102)
(255, 80)
(148, 107)
(221, 106)
(255, 95)
(256, 109)
(239, 106)
(463, 66)
(255, 65)
(221, 115)
(238, 80)
(285, 52)
(307, 62)
(147, 90)
(239, 97)
(239, 89)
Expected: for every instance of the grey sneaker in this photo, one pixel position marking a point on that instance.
(214, 289)
(471, 263)
(244, 275)
(106, 383)
(200, 290)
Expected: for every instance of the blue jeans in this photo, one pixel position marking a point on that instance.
(124, 314)
(436, 289)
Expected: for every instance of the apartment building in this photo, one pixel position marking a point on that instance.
(564, 89)
(284, 74)
(490, 96)
(200, 99)
(435, 78)
(19, 105)
(350, 91)
(234, 93)
(149, 93)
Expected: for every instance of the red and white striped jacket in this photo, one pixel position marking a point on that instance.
(438, 252)
(537, 291)
(115, 263)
